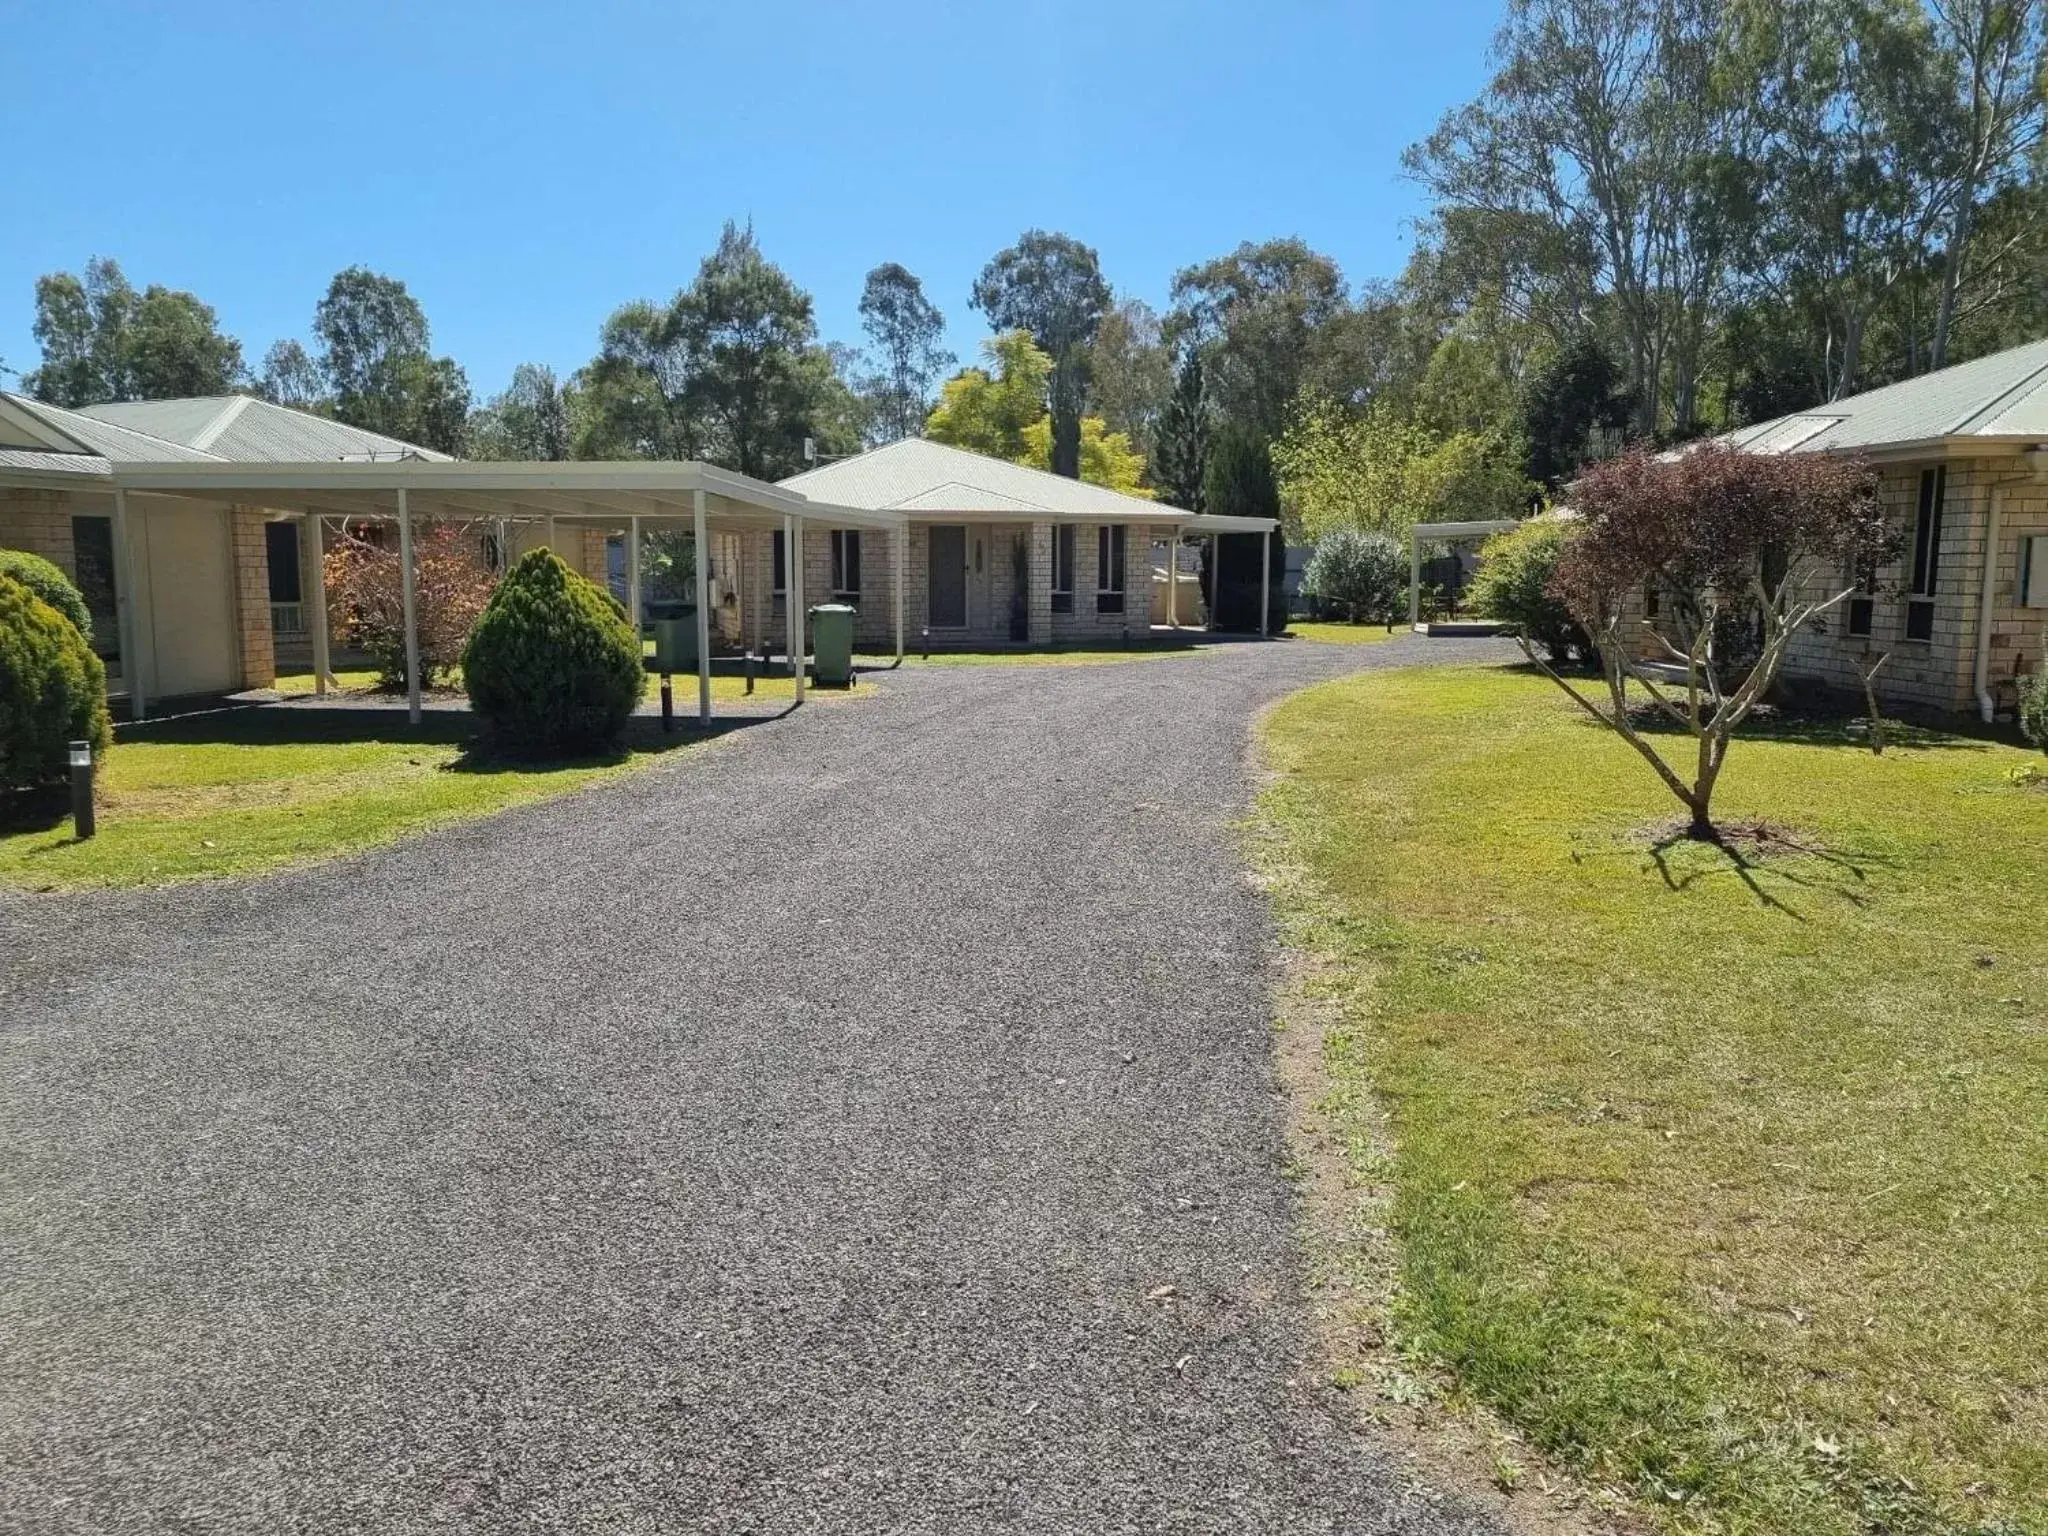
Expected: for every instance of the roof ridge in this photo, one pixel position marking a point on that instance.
(203, 440)
(115, 426)
(1997, 401)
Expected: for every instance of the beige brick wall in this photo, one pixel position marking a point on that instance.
(1935, 676)
(252, 598)
(40, 522)
(1938, 675)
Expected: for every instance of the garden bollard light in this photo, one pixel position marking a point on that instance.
(668, 704)
(925, 635)
(83, 824)
(750, 674)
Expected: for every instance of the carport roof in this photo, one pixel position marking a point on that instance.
(936, 480)
(607, 492)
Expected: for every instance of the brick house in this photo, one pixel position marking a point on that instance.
(998, 553)
(1962, 457)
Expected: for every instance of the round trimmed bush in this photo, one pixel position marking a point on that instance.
(53, 690)
(553, 668)
(50, 584)
(2034, 708)
(1512, 584)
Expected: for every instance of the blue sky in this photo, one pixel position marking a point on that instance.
(526, 168)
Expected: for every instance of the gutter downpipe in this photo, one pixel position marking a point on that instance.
(1987, 707)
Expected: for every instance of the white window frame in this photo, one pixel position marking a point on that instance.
(843, 540)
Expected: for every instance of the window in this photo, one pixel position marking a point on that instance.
(1063, 569)
(281, 548)
(2033, 571)
(781, 566)
(846, 562)
(1109, 568)
(1862, 610)
(92, 560)
(1926, 553)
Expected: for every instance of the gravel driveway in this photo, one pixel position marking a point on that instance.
(798, 1136)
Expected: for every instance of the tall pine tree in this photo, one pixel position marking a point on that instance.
(1181, 459)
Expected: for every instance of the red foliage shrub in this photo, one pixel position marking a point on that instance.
(451, 584)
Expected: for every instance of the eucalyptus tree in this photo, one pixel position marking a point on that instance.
(1052, 286)
(1265, 316)
(1623, 131)
(906, 329)
(101, 341)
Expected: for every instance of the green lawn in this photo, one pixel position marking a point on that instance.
(1727, 1185)
(245, 791)
(1347, 634)
(724, 688)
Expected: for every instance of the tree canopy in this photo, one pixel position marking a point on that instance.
(1051, 286)
(102, 341)
(1001, 411)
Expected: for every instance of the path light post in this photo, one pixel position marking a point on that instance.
(83, 824)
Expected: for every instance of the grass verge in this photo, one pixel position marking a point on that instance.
(1724, 1184)
(1346, 634)
(238, 792)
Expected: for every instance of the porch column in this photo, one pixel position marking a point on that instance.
(633, 576)
(313, 541)
(700, 563)
(899, 547)
(1265, 582)
(793, 599)
(1414, 579)
(124, 611)
(551, 537)
(408, 605)
(1215, 579)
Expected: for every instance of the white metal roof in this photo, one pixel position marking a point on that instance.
(934, 480)
(2000, 398)
(244, 429)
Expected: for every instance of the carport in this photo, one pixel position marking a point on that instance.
(620, 497)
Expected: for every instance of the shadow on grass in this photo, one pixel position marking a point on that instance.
(1774, 865)
(36, 810)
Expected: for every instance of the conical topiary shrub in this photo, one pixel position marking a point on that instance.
(553, 668)
(53, 690)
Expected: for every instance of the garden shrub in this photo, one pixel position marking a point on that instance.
(1362, 574)
(2034, 707)
(53, 690)
(1513, 582)
(553, 668)
(49, 583)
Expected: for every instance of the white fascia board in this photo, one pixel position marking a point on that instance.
(1217, 522)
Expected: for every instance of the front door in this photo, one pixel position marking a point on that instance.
(946, 581)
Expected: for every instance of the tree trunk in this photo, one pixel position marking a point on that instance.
(1951, 277)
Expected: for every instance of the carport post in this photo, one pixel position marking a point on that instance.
(124, 611)
(633, 576)
(316, 547)
(793, 581)
(899, 544)
(1215, 579)
(408, 604)
(1265, 583)
(1414, 578)
(1173, 578)
(700, 562)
